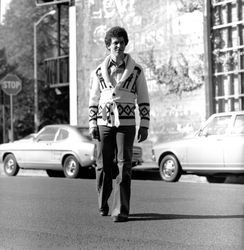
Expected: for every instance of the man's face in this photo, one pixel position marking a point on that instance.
(117, 46)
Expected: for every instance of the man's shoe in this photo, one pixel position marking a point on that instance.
(104, 211)
(119, 218)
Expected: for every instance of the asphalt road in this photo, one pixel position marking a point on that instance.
(58, 213)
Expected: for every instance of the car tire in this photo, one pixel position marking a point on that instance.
(10, 165)
(169, 169)
(214, 179)
(54, 173)
(71, 167)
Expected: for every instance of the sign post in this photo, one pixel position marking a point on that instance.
(11, 85)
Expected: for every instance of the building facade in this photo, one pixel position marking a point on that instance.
(157, 29)
(224, 44)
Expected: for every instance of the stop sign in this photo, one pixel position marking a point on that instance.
(11, 84)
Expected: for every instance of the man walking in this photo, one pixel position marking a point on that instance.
(117, 84)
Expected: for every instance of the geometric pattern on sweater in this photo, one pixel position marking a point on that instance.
(101, 79)
(93, 113)
(126, 110)
(126, 84)
(144, 110)
(132, 78)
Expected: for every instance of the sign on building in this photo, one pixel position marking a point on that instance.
(47, 2)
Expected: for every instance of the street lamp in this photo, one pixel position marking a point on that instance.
(36, 117)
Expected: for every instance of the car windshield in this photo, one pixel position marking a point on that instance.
(218, 126)
(47, 134)
(238, 125)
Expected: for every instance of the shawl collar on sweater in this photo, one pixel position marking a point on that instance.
(129, 67)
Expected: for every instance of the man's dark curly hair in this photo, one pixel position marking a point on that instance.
(116, 32)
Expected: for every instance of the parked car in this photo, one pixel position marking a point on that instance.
(61, 150)
(215, 151)
(137, 156)
(58, 149)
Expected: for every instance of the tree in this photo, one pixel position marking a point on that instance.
(16, 36)
(55, 108)
(4, 69)
(23, 115)
(190, 5)
(23, 120)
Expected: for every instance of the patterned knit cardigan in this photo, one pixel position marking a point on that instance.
(115, 105)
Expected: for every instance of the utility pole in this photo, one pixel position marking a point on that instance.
(3, 113)
(0, 11)
(36, 111)
(208, 62)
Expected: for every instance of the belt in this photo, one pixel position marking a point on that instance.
(110, 114)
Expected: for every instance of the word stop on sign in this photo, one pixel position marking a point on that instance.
(11, 84)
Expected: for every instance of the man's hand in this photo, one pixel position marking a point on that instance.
(94, 133)
(142, 134)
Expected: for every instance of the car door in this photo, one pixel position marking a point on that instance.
(60, 146)
(234, 145)
(40, 154)
(206, 150)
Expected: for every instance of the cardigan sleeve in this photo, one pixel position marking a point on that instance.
(143, 100)
(94, 99)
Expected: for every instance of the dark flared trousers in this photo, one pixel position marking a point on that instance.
(115, 144)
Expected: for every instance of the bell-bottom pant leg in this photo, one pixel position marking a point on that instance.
(105, 162)
(124, 141)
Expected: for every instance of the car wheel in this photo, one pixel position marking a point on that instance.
(170, 169)
(71, 167)
(54, 173)
(214, 179)
(10, 165)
